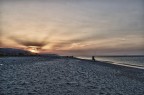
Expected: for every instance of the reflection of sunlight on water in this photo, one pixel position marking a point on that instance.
(135, 62)
(88, 58)
(1, 64)
(124, 60)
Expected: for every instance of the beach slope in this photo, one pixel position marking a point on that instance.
(67, 76)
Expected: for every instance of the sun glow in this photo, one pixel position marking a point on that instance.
(33, 49)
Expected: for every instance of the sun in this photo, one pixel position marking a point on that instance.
(33, 49)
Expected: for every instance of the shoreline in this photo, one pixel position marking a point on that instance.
(118, 64)
(112, 65)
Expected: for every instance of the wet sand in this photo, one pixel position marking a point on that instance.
(67, 76)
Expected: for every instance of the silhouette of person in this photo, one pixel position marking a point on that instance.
(93, 58)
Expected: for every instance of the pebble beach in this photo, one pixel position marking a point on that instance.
(67, 76)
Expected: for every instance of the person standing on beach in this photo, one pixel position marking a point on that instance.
(93, 58)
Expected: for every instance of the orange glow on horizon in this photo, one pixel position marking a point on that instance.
(33, 49)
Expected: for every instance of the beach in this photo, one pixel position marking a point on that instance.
(67, 76)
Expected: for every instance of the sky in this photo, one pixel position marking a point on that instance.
(73, 27)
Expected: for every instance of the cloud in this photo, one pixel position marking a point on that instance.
(28, 43)
(106, 51)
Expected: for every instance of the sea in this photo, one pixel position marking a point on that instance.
(130, 61)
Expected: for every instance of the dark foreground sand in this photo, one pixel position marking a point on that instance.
(67, 76)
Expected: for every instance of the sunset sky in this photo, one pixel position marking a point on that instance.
(73, 27)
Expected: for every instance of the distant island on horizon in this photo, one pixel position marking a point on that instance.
(20, 52)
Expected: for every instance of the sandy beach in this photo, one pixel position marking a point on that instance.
(67, 76)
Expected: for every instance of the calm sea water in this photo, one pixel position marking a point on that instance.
(133, 61)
